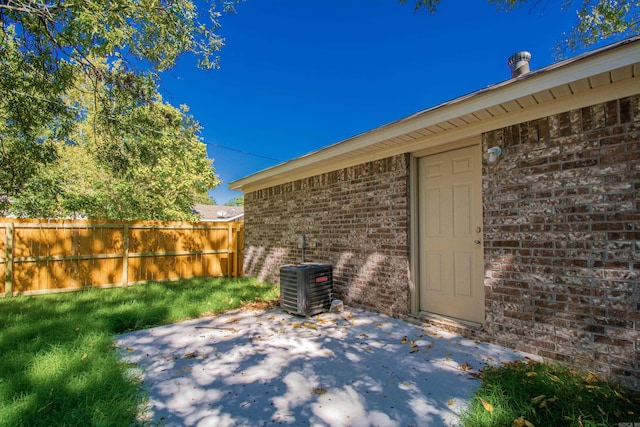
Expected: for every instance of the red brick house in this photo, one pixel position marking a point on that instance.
(534, 244)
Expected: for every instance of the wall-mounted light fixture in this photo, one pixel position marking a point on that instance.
(493, 155)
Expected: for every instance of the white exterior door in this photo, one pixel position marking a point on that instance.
(450, 234)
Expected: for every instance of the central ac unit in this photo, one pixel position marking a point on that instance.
(305, 289)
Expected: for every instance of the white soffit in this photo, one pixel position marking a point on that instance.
(598, 76)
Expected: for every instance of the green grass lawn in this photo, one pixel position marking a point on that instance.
(58, 366)
(521, 394)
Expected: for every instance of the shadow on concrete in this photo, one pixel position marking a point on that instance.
(261, 368)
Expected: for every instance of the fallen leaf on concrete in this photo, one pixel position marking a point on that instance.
(318, 391)
(234, 330)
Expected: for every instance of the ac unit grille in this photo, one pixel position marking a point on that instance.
(305, 289)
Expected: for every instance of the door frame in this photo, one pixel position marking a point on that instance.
(414, 217)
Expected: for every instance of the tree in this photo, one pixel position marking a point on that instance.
(597, 19)
(25, 110)
(120, 162)
(46, 46)
(238, 201)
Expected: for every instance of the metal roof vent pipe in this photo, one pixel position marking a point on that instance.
(519, 63)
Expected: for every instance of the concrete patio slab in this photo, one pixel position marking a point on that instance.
(261, 368)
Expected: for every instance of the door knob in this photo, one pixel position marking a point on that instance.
(477, 242)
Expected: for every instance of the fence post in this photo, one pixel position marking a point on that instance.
(229, 250)
(235, 250)
(125, 256)
(8, 260)
(240, 249)
(237, 247)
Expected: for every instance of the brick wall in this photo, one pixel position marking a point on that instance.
(562, 238)
(358, 217)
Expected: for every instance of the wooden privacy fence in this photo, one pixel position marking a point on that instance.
(40, 256)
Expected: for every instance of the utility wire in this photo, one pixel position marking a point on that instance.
(224, 147)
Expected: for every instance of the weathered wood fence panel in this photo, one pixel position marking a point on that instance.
(39, 256)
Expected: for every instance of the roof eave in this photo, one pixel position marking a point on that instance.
(581, 67)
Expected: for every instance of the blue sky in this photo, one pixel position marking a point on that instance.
(298, 75)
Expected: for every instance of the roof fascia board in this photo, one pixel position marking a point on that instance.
(512, 90)
(593, 96)
(545, 79)
(572, 102)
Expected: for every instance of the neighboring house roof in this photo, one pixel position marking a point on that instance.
(601, 75)
(219, 213)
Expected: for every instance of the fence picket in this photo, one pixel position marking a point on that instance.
(42, 256)
(125, 256)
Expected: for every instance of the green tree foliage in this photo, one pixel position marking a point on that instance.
(45, 47)
(26, 87)
(238, 201)
(595, 19)
(204, 199)
(121, 162)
